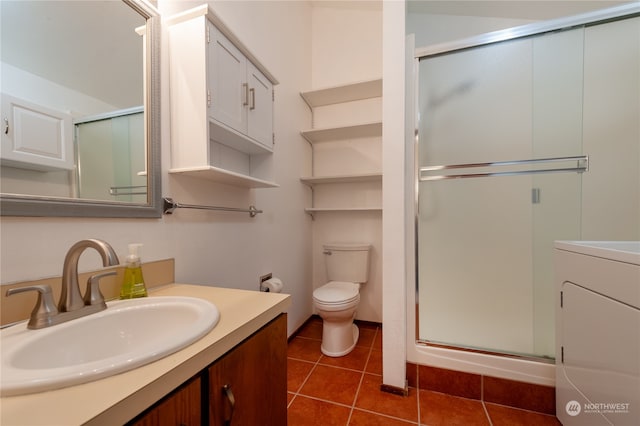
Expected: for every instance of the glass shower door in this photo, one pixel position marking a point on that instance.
(110, 154)
(500, 161)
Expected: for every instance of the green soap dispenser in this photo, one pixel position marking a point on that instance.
(133, 283)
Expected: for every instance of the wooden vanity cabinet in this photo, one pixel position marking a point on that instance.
(255, 372)
(246, 386)
(183, 407)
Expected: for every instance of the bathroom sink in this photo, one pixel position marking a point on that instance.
(127, 335)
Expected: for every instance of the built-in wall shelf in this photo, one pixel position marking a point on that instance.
(225, 176)
(338, 209)
(356, 147)
(341, 133)
(312, 211)
(319, 180)
(344, 93)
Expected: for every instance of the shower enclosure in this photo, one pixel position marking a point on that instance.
(523, 137)
(110, 154)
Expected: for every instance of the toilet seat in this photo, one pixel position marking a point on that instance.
(337, 293)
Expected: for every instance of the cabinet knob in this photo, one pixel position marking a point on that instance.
(6, 126)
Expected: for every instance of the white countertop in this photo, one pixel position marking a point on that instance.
(621, 251)
(117, 399)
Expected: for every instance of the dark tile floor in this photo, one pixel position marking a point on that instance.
(346, 391)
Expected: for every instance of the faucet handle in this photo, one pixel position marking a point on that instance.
(45, 308)
(93, 295)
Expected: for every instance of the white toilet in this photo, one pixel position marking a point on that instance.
(336, 301)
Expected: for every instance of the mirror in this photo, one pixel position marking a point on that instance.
(80, 108)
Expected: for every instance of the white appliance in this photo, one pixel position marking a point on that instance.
(598, 332)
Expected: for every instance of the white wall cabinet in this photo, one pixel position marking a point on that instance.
(347, 154)
(35, 137)
(221, 103)
(240, 95)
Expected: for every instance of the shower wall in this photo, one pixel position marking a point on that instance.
(485, 268)
(611, 194)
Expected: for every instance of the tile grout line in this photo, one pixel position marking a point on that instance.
(484, 406)
(297, 392)
(486, 412)
(417, 373)
(364, 369)
(389, 416)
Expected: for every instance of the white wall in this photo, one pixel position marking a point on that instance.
(210, 248)
(347, 42)
(394, 345)
(344, 53)
(435, 29)
(612, 132)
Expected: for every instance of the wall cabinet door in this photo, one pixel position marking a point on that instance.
(241, 97)
(228, 87)
(248, 386)
(260, 112)
(35, 137)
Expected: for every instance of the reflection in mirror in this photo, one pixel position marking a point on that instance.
(77, 120)
(110, 156)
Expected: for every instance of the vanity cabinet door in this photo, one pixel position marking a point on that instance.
(183, 407)
(248, 386)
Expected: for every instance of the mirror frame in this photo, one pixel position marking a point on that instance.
(29, 205)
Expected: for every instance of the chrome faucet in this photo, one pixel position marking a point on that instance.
(70, 297)
(71, 305)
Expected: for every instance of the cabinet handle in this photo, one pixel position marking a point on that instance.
(245, 90)
(6, 126)
(253, 98)
(232, 403)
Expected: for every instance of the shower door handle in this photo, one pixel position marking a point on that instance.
(578, 164)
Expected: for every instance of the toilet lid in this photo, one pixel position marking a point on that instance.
(336, 292)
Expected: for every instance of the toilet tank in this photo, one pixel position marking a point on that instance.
(347, 262)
